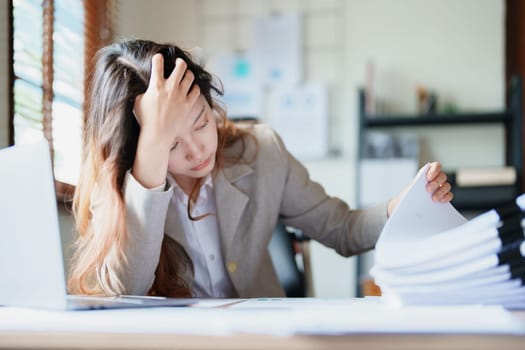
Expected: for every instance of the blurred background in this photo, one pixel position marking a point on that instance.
(298, 66)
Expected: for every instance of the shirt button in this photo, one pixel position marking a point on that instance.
(232, 266)
(212, 257)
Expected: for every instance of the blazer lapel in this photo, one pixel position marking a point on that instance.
(173, 226)
(230, 201)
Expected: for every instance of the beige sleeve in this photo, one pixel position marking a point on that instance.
(146, 212)
(327, 219)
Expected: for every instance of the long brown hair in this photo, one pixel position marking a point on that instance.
(110, 138)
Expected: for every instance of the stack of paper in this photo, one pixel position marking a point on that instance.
(429, 254)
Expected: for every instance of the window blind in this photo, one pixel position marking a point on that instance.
(54, 42)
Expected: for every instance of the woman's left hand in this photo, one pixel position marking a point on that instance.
(437, 186)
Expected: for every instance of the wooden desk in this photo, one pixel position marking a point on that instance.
(257, 342)
(133, 341)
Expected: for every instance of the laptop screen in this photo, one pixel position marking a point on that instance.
(31, 263)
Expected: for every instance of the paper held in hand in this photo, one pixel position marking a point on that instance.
(428, 253)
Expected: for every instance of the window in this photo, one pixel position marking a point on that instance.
(53, 45)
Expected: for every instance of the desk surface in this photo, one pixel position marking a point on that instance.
(42, 330)
(36, 340)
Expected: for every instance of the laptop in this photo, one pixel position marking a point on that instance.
(31, 258)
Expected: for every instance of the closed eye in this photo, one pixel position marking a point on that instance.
(203, 125)
(199, 115)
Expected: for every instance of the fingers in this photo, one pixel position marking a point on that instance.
(447, 197)
(437, 184)
(433, 171)
(194, 94)
(179, 77)
(177, 74)
(157, 69)
(186, 82)
(442, 192)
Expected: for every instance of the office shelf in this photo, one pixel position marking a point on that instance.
(436, 119)
(481, 198)
(466, 198)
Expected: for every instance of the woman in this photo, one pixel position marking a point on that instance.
(176, 200)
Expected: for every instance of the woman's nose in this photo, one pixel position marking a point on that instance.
(193, 150)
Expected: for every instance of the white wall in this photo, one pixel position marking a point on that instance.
(333, 275)
(453, 47)
(4, 75)
(173, 21)
(225, 25)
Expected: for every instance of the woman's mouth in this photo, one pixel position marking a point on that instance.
(202, 165)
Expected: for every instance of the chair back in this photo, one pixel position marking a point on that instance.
(283, 256)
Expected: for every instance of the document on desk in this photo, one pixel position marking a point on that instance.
(372, 315)
(273, 316)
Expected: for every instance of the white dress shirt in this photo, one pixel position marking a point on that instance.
(211, 278)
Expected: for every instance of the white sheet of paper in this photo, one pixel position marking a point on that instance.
(461, 271)
(457, 258)
(274, 317)
(416, 216)
(503, 278)
(277, 44)
(300, 116)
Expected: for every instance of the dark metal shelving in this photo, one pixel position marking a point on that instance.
(436, 119)
(510, 118)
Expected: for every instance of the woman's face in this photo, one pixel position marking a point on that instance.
(193, 153)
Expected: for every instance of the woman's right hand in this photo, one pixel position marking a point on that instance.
(160, 111)
(166, 101)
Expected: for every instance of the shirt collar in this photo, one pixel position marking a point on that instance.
(205, 189)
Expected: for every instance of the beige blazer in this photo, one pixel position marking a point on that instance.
(251, 197)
